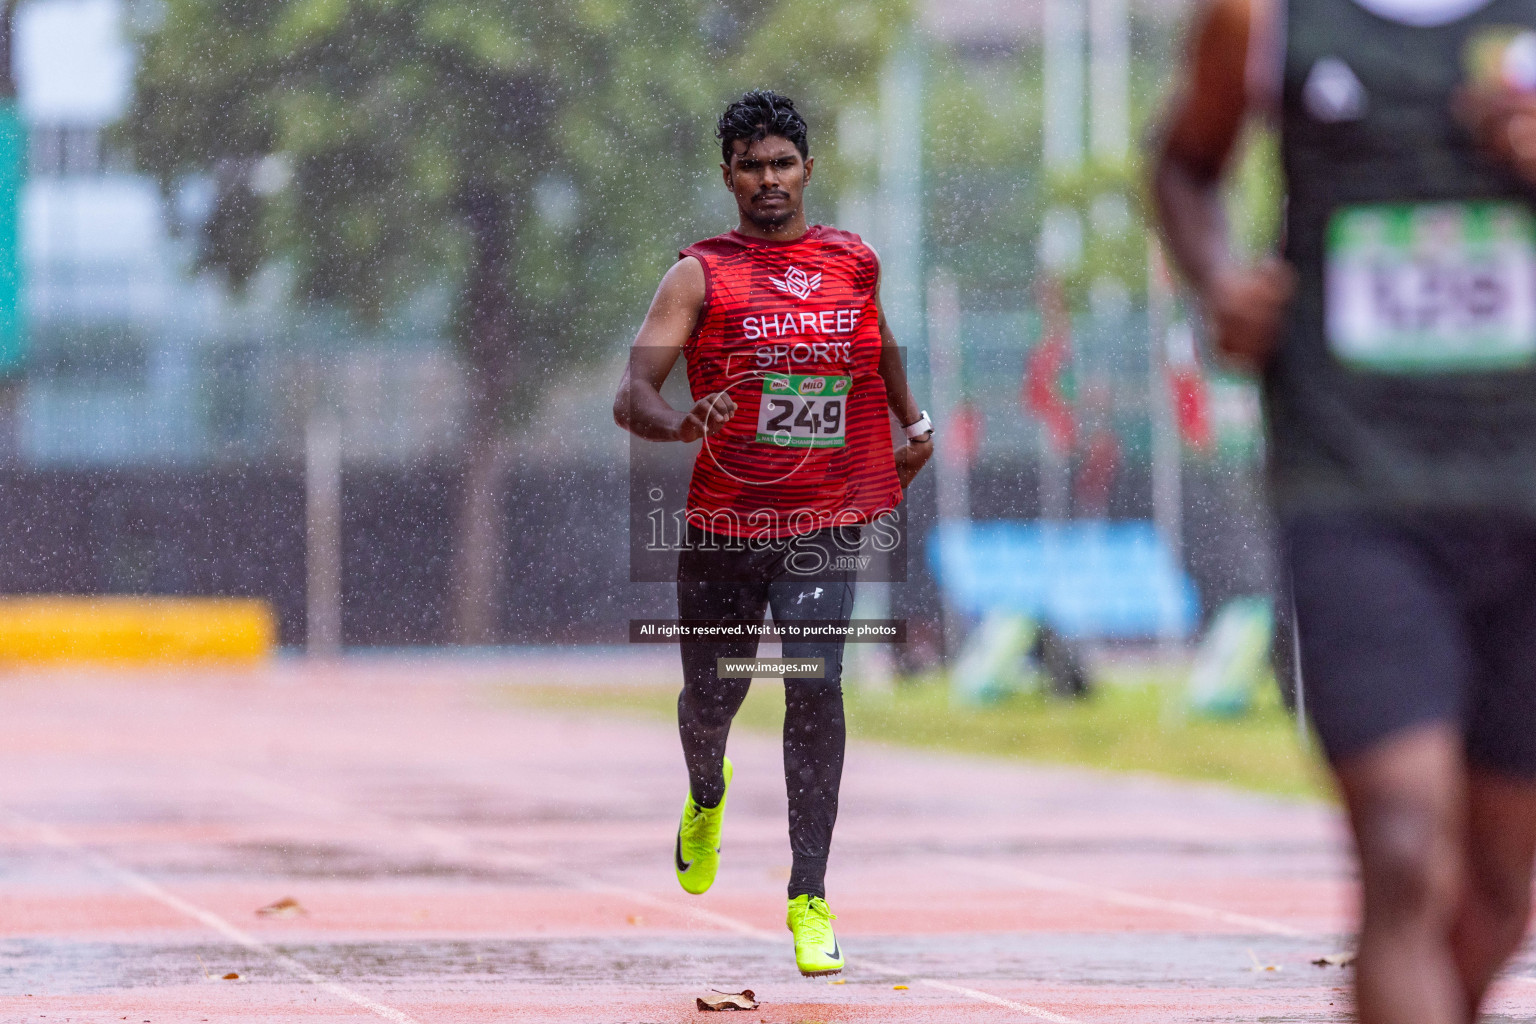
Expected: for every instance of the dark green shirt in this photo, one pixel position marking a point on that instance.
(1406, 374)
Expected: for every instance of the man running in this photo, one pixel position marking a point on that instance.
(792, 369)
(1397, 343)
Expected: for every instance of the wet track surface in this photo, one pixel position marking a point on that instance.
(458, 858)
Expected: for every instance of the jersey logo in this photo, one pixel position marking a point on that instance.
(1332, 93)
(797, 282)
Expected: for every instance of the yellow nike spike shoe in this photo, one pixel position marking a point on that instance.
(697, 854)
(810, 922)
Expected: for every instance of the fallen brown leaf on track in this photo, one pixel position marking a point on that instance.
(285, 907)
(231, 976)
(1335, 960)
(743, 1000)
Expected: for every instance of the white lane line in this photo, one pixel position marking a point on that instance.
(55, 838)
(1038, 1012)
(987, 997)
(457, 845)
(1120, 897)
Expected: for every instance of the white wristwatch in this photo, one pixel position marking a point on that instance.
(924, 425)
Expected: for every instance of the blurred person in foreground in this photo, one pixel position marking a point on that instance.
(1396, 339)
(794, 375)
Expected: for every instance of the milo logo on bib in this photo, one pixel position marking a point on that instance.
(803, 411)
(1431, 287)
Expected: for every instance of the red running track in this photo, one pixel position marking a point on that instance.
(461, 859)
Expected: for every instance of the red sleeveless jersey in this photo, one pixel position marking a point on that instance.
(791, 331)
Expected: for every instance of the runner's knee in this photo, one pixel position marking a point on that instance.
(1408, 860)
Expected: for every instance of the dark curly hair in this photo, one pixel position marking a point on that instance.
(757, 115)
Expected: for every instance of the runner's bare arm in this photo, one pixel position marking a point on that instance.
(910, 457)
(639, 406)
(1243, 304)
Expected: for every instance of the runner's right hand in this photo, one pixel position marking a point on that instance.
(707, 416)
(1503, 121)
(1244, 307)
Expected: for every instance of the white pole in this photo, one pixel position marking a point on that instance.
(1167, 450)
(322, 549)
(952, 472)
(1062, 152)
(900, 243)
(900, 240)
(1062, 102)
(1109, 81)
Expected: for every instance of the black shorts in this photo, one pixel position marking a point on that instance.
(801, 579)
(1410, 620)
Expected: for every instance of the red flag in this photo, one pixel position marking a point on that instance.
(1191, 405)
(1186, 388)
(963, 432)
(1046, 367)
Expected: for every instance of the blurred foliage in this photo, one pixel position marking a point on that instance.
(1133, 723)
(1106, 198)
(987, 192)
(346, 136)
(983, 122)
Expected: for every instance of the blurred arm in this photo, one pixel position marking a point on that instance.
(1199, 135)
(1202, 130)
(639, 406)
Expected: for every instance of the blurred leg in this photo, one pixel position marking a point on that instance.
(1405, 800)
(1388, 666)
(1501, 749)
(1496, 901)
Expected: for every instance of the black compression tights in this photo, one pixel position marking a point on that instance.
(814, 730)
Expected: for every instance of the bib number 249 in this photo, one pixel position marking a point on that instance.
(803, 410)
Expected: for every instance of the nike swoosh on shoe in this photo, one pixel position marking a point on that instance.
(677, 855)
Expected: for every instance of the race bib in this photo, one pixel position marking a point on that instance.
(1431, 287)
(803, 411)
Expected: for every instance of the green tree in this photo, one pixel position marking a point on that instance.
(429, 141)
